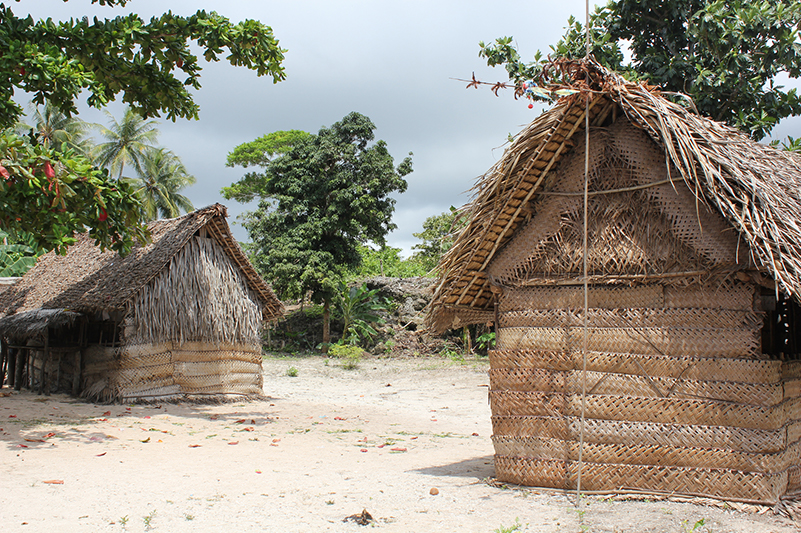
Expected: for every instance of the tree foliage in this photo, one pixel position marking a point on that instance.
(258, 153)
(126, 142)
(54, 194)
(386, 261)
(150, 63)
(161, 175)
(726, 55)
(326, 195)
(437, 237)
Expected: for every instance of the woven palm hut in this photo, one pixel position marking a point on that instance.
(179, 318)
(694, 261)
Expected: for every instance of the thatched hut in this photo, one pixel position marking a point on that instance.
(691, 383)
(178, 318)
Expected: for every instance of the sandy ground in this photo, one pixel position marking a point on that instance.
(325, 445)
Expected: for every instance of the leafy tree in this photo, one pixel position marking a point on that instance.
(725, 54)
(321, 199)
(385, 261)
(53, 129)
(258, 153)
(53, 195)
(437, 237)
(161, 177)
(127, 141)
(151, 65)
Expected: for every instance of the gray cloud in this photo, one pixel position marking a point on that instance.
(392, 61)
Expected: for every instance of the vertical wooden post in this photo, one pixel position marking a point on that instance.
(76, 377)
(3, 360)
(18, 370)
(58, 371)
(12, 366)
(45, 360)
(497, 331)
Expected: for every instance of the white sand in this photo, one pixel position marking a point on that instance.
(327, 444)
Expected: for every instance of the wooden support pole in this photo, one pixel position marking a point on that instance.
(76, 376)
(3, 360)
(12, 366)
(18, 370)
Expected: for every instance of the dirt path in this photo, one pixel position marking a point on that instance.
(326, 445)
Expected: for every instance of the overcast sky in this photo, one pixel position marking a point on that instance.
(390, 60)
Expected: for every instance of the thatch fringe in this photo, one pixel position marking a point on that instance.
(201, 295)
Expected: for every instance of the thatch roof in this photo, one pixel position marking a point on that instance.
(31, 323)
(757, 189)
(87, 280)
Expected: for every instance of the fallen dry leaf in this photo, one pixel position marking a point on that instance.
(240, 421)
(101, 454)
(397, 449)
(107, 413)
(194, 445)
(233, 442)
(54, 481)
(146, 440)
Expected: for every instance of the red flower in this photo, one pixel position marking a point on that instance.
(103, 215)
(48, 170)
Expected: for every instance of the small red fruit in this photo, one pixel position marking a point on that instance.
(22, 71)
(103, 215)
(531, 106)
(48, 170)
(4, 172)
(180, 63)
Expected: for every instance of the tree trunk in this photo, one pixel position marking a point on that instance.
(326, 323)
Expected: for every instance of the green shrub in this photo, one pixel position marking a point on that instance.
(350, 354)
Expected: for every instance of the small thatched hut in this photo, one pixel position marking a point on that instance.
(177, 318)
(691, 383)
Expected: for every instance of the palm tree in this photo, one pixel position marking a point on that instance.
(54, 129)
(161, 177)
(127, 142)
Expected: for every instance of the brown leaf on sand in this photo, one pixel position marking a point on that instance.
(54, 481)
(397, 449)
(240, 421)
(146, 440)
(363, 518)
(233, 442)
(34, 440)
(194, 445)
(101, 454)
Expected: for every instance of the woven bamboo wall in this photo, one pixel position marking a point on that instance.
(166, 371)
(678, 396)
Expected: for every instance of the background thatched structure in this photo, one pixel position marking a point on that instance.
(694, 265)
(177, 318)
